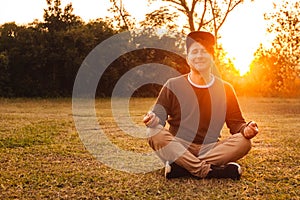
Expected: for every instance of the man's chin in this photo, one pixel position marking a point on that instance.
(201, 68)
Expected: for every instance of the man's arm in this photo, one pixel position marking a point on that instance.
(234, 119)
(159, 113)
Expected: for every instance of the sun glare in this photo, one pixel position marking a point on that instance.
(241, 34)
(244, 31)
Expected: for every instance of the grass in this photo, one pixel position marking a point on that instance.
(42, 156)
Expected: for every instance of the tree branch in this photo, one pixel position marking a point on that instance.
(203, 14)
(228, 11)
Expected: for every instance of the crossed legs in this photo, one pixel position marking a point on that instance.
(197, 158)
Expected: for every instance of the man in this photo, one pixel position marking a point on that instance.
(196, 106)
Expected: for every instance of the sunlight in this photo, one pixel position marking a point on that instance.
(89, 9)
(241, 48)
(242, 65)
(243, 32)
(21, 12)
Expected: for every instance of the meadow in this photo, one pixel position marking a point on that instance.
(42, 156)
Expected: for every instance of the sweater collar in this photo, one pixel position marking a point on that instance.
(212, 80)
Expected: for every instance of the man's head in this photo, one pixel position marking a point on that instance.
(200, 51)
(206, 39)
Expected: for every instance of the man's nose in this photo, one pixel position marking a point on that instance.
(199, 55)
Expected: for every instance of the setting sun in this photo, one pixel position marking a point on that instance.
(241, 34)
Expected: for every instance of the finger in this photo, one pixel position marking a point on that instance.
(146, 118)
(253, 124)
(250, 132)
(247, 135)
(255, 129)
(150, 121)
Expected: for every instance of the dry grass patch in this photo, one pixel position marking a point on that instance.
(42, 156)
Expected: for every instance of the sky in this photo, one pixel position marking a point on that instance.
(242, 33)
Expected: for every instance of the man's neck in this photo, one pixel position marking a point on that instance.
(202, 78)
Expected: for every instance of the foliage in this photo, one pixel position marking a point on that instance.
(161, 18)
(199, 14)
(225, 66)
(285, 23)
(144, 55)
(4, 76)
(57, 19)
(41, 59)
(278, 69)
(124, 20)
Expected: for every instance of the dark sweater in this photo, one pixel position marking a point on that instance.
(198, 114)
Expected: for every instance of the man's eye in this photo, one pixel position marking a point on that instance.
(198, 51)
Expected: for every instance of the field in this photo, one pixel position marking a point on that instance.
(42, 156)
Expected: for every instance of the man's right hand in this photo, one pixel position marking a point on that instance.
(150, 119)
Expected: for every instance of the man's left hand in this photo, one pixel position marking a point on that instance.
(251, 130)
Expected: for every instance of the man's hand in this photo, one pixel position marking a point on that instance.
(151, 120)
(250, 130)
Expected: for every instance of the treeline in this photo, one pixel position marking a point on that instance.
(39, 62)
(42, 59)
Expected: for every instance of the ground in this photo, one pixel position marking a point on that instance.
(42, 156)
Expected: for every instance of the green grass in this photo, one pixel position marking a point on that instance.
(42, 156)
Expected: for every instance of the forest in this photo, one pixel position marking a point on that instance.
(42, 58)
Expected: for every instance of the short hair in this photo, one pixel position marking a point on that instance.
(204, 38)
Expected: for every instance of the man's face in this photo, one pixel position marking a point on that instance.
(198, 58)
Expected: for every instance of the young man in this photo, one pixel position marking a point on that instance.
(196, 106)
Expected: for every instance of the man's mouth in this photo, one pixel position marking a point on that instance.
(199, 62)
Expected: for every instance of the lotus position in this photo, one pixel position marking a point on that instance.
(196, 106)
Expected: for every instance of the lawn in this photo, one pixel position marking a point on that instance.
(42, 156)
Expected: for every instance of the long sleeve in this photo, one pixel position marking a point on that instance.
(234, 119)
(162, 106)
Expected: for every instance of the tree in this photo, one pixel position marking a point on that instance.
(124, 20)
(5, 89)
(201, 14)
(279, 66)
(225, 66)
(58, 19)
(161, 18)
(35, 62)
(57, 23)
(77, 44)
(142, 55)
(8, 32)
(285, 23)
